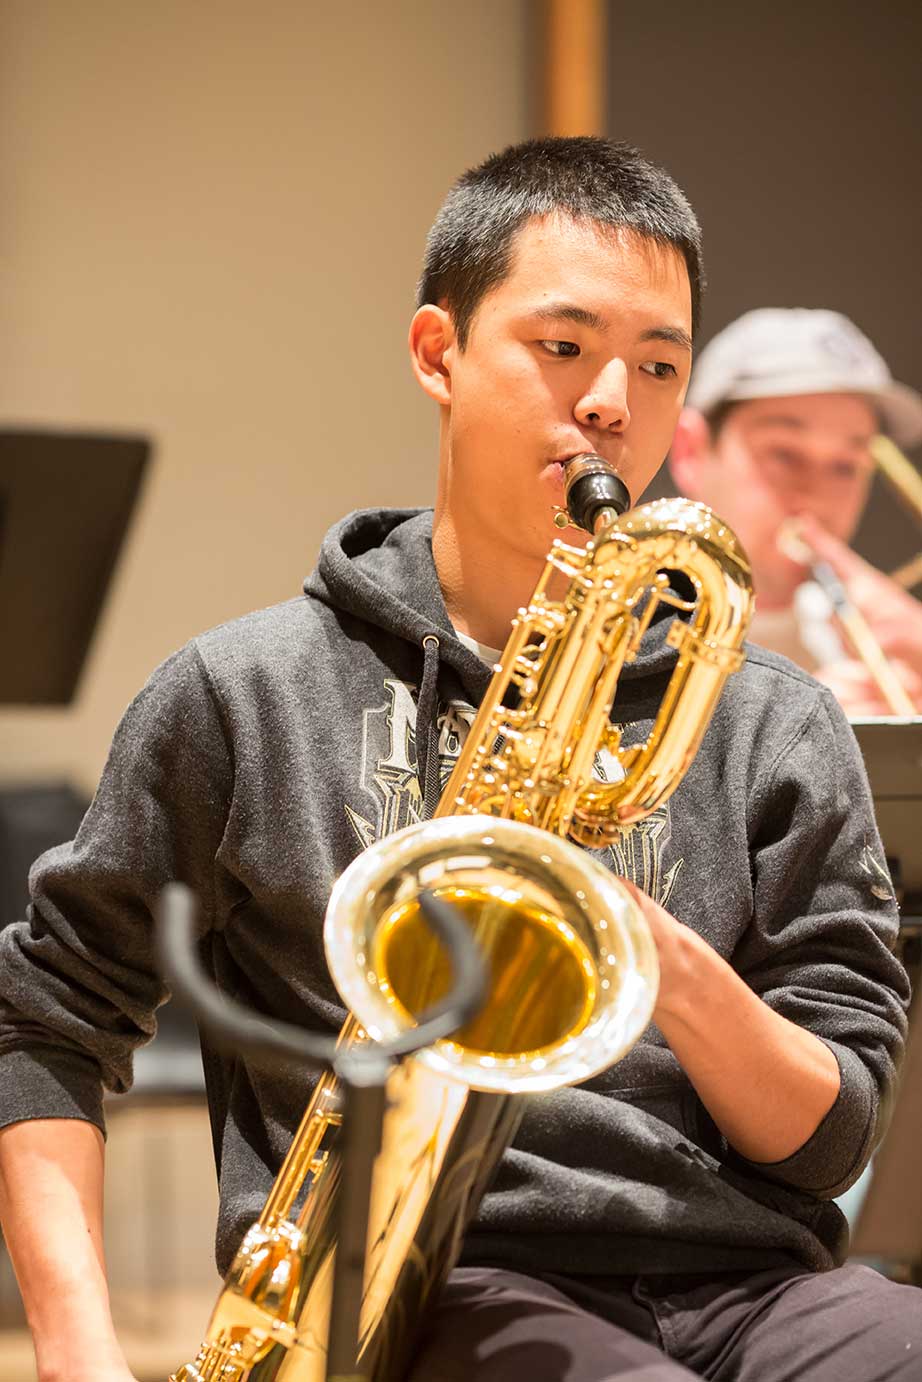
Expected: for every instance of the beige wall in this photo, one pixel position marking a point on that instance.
(213, 214)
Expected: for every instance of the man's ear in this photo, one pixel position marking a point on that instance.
(432, 342)
(689, 453)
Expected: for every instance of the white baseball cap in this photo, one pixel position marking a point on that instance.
(776, 352)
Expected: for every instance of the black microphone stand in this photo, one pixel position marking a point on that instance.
(361, 1071)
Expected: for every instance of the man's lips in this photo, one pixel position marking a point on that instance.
(553, 472)
(572, 455)
(558, 465)
(561, 457)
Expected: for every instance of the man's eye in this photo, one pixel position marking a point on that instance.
(781, 456)
(660, 369)
(565, 348)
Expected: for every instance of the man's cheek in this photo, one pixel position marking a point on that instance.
(764, 510)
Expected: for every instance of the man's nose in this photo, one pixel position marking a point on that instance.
(604, 404)
(803, 490)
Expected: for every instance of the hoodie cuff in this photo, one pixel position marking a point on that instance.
(43, 1082)
(836, 1154)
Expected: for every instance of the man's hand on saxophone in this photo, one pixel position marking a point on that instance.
(766, 1082)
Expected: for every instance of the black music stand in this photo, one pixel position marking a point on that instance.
(890, 1218)
(889, 1223)
(66, 499)
(892, 750)
(65, 503)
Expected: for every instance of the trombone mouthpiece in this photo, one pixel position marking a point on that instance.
(591, 485)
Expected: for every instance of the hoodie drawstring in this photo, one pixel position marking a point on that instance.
(427, 727)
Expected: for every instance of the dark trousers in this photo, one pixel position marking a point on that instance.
(783, 1325)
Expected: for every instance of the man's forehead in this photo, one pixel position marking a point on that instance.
(848, 418)
(580, 249)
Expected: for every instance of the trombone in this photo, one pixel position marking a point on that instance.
(906, 483)
(905, 480)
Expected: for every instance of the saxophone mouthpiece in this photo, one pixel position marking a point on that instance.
(591, 485)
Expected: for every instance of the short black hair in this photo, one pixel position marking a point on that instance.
(468, 251)
(717, 416)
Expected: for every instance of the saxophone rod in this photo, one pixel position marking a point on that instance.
(906, 482)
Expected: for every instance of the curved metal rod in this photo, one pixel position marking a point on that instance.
(906, 482)
(235, 1027)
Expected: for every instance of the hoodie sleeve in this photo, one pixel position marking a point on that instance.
(79, 981)
(820, 947)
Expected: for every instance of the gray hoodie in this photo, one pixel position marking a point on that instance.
(261, 758)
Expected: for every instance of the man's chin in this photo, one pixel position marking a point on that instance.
(776, 580)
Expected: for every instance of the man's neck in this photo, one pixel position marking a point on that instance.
(483, 587)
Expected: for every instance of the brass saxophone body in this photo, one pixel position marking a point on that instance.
(574, 968)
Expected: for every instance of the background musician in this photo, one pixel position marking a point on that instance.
(674, 1217)
(782, 408)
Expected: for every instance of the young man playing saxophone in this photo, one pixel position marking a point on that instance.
(672, 1218)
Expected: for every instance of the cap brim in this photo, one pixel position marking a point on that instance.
(899, 406)
(901, 413)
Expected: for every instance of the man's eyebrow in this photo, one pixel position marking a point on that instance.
(778, 420)
(796, 424)
(568, 311)
(675, 335)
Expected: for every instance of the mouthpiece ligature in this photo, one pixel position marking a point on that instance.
(591, 486)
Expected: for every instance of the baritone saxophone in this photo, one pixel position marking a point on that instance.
(573, 965)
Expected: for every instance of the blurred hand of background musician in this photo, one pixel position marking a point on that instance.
(893, 616)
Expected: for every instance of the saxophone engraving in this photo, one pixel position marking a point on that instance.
(573, 966)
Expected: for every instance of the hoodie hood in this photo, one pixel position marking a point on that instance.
(377, 564)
